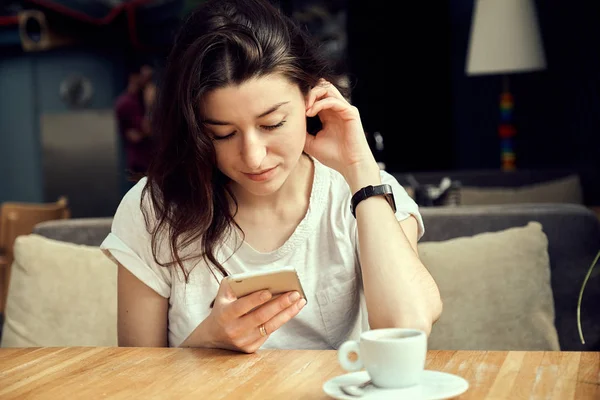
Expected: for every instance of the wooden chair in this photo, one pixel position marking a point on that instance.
(18, 219)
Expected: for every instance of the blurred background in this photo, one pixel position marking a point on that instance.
(428, 114)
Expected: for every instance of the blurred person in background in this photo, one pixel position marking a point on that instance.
(132, 112)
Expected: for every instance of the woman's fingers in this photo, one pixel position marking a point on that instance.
(284, 316)
(322, 90)
(332, 89)
(272, 316)
(241, 319)
(264, 313)
(244, 305)
(316, 93)
(334, 104)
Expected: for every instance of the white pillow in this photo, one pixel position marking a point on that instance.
(60, 294)
(496, 291)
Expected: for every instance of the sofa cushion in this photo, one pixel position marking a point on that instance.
(496, 291)
(88, 231)
(60, 294)
(563, 190)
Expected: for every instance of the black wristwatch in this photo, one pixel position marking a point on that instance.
(384, 190)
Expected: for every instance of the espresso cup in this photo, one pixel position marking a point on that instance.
(393, 357)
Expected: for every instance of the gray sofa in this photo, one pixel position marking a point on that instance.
(573, 234)
(521, 178)
(573, 241)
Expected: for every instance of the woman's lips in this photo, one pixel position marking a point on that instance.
(262, 176)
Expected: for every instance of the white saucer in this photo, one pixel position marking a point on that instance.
(436, 385)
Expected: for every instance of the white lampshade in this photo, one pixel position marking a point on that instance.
(505, 38)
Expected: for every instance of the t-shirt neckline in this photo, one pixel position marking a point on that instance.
(306, 226)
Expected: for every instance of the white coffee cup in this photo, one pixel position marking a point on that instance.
(393, 357)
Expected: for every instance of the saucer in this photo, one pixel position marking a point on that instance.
(435, 385)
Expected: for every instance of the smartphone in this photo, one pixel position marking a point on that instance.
(276, 281)
(313, 125)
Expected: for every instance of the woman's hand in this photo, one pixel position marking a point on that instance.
(341, 144)
(235, 324)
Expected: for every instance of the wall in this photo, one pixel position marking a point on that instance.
(400, 68)
(29, 87)
(20, 164)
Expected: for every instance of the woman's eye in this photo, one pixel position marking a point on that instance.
(265, 127)
(272, 127)
(223, 137)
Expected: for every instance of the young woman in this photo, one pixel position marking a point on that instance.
(239, 185)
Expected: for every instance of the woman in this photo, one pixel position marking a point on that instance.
(239, 185)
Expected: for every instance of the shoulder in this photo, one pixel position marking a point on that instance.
(339, 187)
(332, 179)
(130, 214)
(131, 243)
(133, 197)
(331, 185)
(339, 196)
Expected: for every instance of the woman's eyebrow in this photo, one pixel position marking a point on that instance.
(269, 111)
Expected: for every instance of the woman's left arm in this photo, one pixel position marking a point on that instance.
(399, 290)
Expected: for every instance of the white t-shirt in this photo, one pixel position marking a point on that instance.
(323, 249)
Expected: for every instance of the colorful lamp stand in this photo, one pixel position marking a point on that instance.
(506, 130)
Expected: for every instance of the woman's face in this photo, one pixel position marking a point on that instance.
(259, 130)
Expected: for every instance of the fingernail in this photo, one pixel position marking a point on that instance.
(301, 303)
(264, 296)
(294, 296)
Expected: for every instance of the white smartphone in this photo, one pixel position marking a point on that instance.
(276, 281)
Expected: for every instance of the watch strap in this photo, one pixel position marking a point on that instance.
(370, 191)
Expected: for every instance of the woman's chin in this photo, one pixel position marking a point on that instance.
(262, 187)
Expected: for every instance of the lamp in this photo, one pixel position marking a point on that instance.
(505, 39)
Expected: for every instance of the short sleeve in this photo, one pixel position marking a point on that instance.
(405, 205)
(130, 243)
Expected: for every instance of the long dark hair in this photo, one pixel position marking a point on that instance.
(221, 43)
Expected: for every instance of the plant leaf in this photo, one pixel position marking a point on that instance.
(587, 276)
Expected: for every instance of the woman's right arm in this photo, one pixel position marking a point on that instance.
(142, 313)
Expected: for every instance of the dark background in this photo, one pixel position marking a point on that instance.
(433, 116)
(406, 62)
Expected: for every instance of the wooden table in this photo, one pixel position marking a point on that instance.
(163, 373)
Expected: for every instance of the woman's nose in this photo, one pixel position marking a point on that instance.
(253, 151)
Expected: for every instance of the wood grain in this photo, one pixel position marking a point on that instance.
(164, 373)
